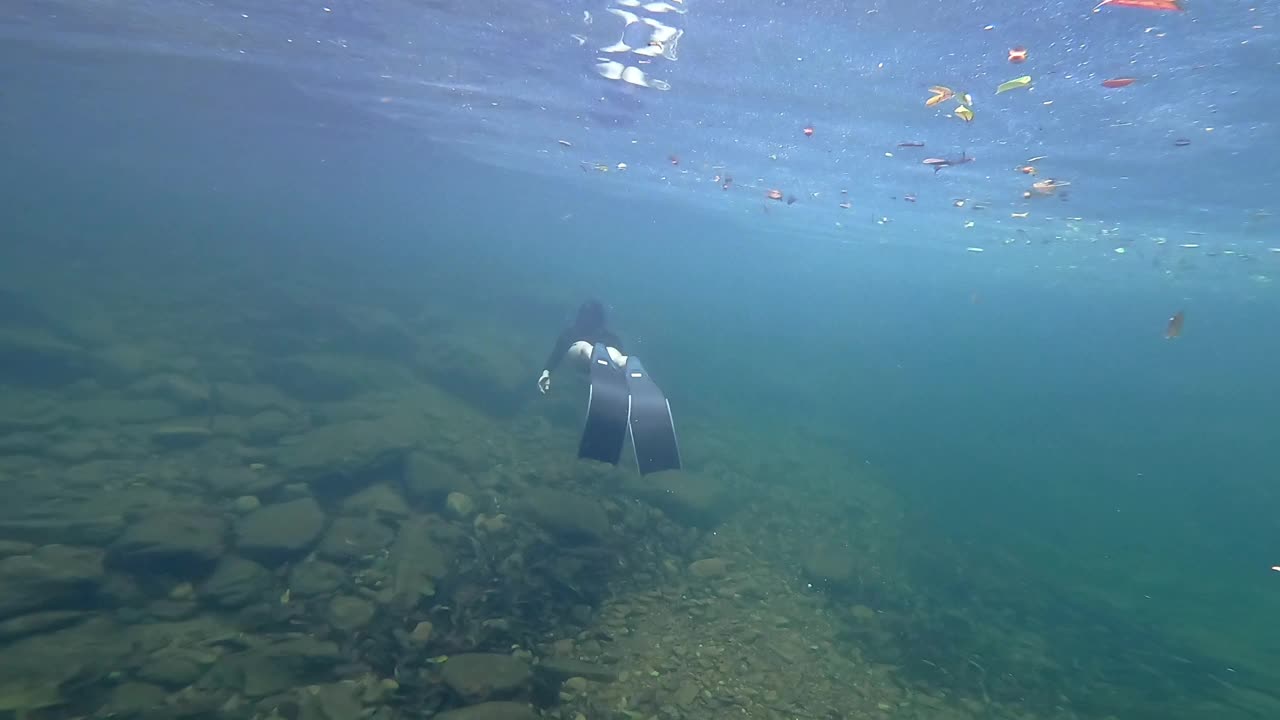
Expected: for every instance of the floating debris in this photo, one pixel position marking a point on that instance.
(1014, 84)
(1118, 82)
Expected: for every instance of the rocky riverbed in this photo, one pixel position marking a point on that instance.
(263, 519)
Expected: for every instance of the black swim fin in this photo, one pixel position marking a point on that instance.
(608, 408)
(653, 430)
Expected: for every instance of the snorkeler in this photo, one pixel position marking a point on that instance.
(622, 397)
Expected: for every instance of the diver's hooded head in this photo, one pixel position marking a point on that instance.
(590, 316)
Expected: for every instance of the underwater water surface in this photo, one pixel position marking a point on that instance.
(1034, 493)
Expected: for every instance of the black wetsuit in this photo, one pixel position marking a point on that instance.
(573, 334)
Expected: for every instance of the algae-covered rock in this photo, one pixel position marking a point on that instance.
(51, 577)
(570, 516)
(831, 564)
(191, 396)
(276, 667)
(429, 480)
(34, 357)
(238, 481)
(348, 613)
(416, 562)
(345, 457)
(486, 676)
(380, 500)
(352, 538)
(316, 377)
(491, 711)
(185, 543)
(316, 577)
(38, 622)
(689, 498)
(178, 437)
(236, 582)
(280, 530)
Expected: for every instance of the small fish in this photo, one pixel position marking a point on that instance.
(1174, 328)
(1181, 142)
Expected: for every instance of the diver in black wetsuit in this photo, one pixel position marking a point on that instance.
(579, 339)
(623, 397)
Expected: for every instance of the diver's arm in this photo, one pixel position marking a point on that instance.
(553, 360)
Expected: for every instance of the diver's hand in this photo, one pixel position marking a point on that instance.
(544, 382)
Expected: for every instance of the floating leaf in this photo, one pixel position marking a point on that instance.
(1014, 84)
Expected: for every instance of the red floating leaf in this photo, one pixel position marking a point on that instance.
(1165, 5)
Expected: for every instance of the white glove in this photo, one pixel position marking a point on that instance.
(544, 382)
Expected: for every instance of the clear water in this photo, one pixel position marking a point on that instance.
(1062, 469)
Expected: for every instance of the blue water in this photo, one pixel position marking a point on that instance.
(1021, 403)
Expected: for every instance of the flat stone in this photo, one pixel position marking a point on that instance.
(280, 530)
(236, 582)
(709, 568)
(689, 498)
(565, 668)
(491, 711)
(316, 577)
(486, 676)
(183, 542)
(50, 578)
(428, 480)
(243, 480)
(177, 437)
(567, 515)
(380, 500)
(349, 613)
(416, 563)
(353, 538)
(39, 622)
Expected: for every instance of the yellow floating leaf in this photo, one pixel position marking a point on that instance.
(940, 94)
(1014, 84)
(965, 113)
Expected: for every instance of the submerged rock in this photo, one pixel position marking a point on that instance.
(351, 538)
(178, 437)
(280, 530)
(188, 395)
(39, 622)
(689, 498)
(486, 676)
(238, 481)
(491, 711)
(345, 457)
(236, 582)
(428, 480)
(416, 562)
(349, 613)
(179, 543)
(571, 517)
(380, 500)
(316, 577)
(36, 358)
(51, 577)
